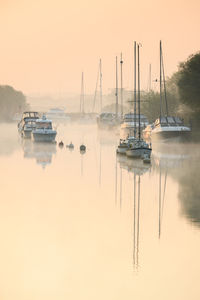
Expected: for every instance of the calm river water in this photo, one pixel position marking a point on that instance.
(97, 226)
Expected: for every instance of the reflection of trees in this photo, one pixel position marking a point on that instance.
(8, 139)
(189, 191)
(183, 165)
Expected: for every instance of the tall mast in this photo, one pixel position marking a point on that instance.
(82, 95)
(163, 73)
(116, 94)
(149, 87)
(100, 71)
(139, 89)
(121, 62)
(134, 89)
(95, 93)
(160, 80)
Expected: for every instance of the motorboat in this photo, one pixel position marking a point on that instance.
(44, 131)
(28, 118)
(130, 124)
(29, 126)
(125, 144)
(57, 114)
(106, 120)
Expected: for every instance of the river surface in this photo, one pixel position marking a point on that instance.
(96, 225)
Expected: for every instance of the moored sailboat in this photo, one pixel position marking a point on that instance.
(139, 148)
(166, 127)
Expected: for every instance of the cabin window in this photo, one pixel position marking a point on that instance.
(44, 126)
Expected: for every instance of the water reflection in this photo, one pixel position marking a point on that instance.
(135, 166)
(182, 163)
(136, 223)
(9, 141)
(41, 152)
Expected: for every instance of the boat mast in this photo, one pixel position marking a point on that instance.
(163, 73)
(149, 87)
(95, 93)
(100, 71)
(160, 80)
(139, 89)
(82, 95)
(116, 93)
(134, 89)
(121, 62)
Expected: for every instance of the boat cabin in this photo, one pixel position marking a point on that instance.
(168, 121)
(43, 123)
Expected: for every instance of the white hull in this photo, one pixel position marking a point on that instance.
(44, 136)
(122, 150)
(138, 152)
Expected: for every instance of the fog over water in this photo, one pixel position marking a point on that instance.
(96, 225)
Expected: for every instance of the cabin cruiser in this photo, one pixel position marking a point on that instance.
(44, 131)
(125, 144)
(57, 114)
(27, 129)
(166, 128)
(130, 124)
(107, 120)
(27, 123)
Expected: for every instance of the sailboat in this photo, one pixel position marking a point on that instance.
(166, 127)
(139, 148)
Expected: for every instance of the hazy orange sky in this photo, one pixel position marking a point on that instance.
(45, 45)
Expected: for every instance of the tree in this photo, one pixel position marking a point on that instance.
(11, 102)
(188, 82)
(150, 104)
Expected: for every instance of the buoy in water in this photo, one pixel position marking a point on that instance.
(61, 144)
(82, 148)
(70, 146)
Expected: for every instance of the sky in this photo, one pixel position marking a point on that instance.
(45, 45)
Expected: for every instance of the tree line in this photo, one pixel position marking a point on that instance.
(11, 102)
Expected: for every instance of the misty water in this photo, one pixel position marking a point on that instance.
(97, 225)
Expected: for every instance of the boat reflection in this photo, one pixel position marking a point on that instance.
(135, 166)
(42, 152)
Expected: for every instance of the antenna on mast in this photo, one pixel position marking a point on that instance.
(135, 89)
(100, 71)
(121, 62)
(81, 96)
(116, 93)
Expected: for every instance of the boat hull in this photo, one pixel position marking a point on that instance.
(26, 134)
(138, 152)
(122, 150)
(44, 137)
(179, 135)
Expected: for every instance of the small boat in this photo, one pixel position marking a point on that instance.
(125, 144)
(146, 158)
(44, 131)
(61, 144)
(57, 114)
(82, 149)
(70, 146)
(138, 149)
(27, 123)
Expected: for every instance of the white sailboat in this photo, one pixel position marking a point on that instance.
(138, 149)
(166, 127)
